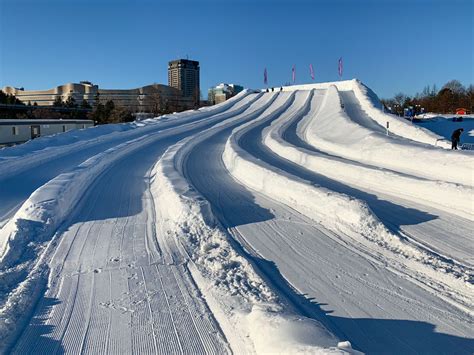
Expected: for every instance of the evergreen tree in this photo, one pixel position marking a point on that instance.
(85, 104)
(58, 102)
(96, 99)
(109, 107)
(70, 102)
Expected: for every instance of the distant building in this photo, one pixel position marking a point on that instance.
(222, 92)
(183, 74)
(82, 91)
(142, 99)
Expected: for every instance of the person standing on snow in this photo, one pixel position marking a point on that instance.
(455, 138)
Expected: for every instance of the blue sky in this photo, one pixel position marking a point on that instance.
(390, 45)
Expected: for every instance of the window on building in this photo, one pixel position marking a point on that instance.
(15, 131)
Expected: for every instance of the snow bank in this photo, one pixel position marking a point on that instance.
(371, 104)
(451, 197)
(333, 131)
(27, 239)
(241, 301)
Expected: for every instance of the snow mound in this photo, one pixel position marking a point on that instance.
(295, 335)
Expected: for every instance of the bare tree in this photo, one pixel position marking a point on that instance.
(155, 102)
(400, 98)
(455, 86)
(196, 97)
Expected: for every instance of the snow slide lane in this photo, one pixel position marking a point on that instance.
(113, 288)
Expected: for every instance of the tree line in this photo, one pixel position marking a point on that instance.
(451, 96)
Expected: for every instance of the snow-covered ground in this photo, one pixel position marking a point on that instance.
(444, 125)
(282, 222)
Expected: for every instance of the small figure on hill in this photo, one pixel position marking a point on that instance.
(281, 88)
(273, 89)
(267, 90)
(455, 138)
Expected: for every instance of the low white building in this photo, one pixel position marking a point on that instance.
(222, 92)
(18, 131)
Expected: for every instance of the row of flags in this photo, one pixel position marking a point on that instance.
(340, 68)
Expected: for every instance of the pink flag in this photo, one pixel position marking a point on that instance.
(293, 73)
(340, 67)
(265, 77)
(311, 71)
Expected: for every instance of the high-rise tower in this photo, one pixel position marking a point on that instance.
(183, 74)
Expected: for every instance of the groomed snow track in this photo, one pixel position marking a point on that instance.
(275, 222)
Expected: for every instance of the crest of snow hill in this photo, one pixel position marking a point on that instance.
(415, 163)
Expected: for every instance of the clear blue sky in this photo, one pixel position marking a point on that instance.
(390, 45)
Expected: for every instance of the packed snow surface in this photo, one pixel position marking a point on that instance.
(281, 222)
